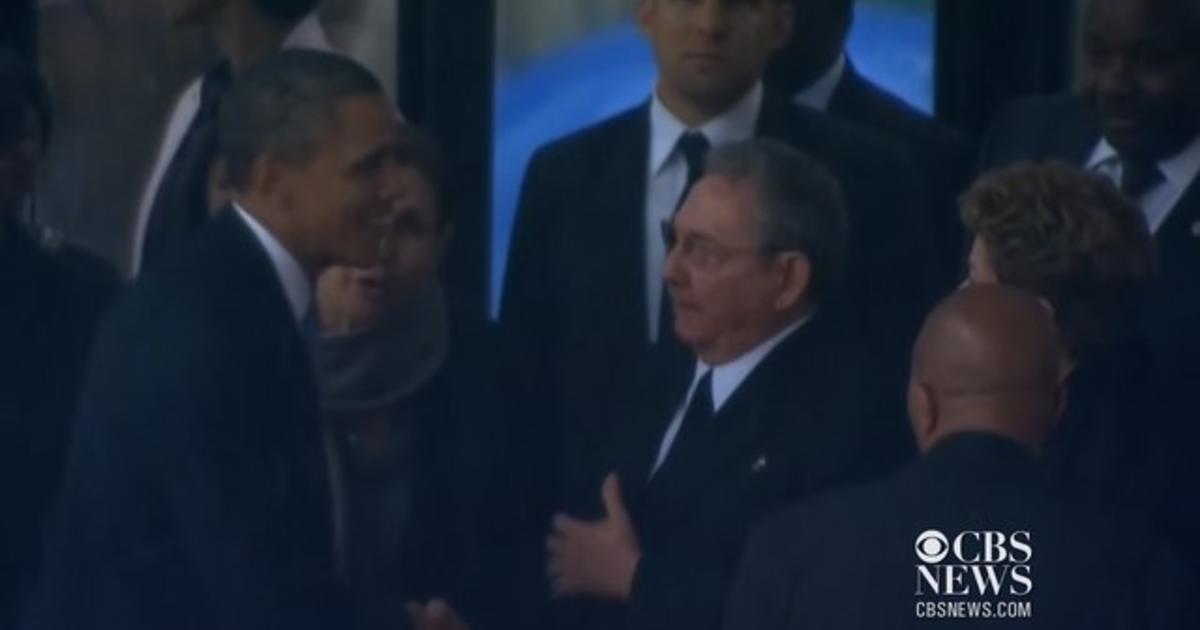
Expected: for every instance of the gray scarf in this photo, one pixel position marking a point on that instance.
(376, 367)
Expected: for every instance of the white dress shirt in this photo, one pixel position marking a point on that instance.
(668, 176)
(1178, 172)
(820, 92)
(296, 286)
(726, 379)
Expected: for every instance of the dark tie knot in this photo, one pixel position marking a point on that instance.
(1138, 176)
(213, 87)
(693, 146)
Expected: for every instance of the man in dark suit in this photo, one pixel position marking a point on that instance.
(1137, 121)
(584, 295)
(774, 408)
(816, 69)
(195, 494)
(54, 295)
(967, 535)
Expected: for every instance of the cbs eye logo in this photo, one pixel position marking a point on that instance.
(932, 546)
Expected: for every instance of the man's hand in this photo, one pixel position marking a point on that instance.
(436, 615)
(594, 558)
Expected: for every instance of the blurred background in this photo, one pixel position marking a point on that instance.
(494, 79)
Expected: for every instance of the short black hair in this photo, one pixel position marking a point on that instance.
(286, 11)
(21, 89)
(799, 203)
(284, 105)
(419, 150)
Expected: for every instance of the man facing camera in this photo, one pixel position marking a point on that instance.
(773, 409)
(968, 535)
(196, 493)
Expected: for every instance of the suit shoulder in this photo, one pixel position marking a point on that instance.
(876, 108)
(591, 141)
(1037, 112)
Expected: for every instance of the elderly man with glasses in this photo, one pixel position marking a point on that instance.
(777, 404)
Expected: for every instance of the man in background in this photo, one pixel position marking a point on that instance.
(985, 394)
(817, 70)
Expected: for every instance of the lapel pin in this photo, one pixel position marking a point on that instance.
(759, 464)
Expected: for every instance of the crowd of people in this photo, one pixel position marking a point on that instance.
(775, 350)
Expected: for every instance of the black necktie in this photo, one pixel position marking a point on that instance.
(1138, 177)
(693, 146)
(181, 203)
(697, 422)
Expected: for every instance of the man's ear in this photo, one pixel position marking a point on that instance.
(645, 15)
(782, 14)
(922, 413)
(794, 280)
(267, 175)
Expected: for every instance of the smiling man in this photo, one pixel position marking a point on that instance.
(195, 495)
(777, 405)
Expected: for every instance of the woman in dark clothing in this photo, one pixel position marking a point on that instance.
(52, 295)
(1072, 238)
(417, 410)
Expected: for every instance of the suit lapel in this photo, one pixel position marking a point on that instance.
(743, 428)
(623, 212)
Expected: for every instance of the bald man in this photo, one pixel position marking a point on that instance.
(968, 534)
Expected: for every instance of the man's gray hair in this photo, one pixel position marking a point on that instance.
(799, 204)
(284, 106)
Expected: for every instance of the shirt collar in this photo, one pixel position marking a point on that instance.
(818, 94)
(727, 377)
(308, 33)
(1179, 169)
(296, 285)
(737, 123)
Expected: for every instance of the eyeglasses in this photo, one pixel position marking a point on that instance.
(700, 252)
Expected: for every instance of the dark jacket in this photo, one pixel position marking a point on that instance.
(196, 493)
(849, 559)
(942, 158)
(806, 419)
(54, 297)
(437, 515)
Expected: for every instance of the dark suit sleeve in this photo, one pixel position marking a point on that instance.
(526, 311)
(196, 414)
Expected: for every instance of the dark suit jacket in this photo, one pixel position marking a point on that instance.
(1066, 128)
(458, 540)
(847, 559)
(574, 294)
(54, 296)
(801, 422)
(196, 493)
(942, 157)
